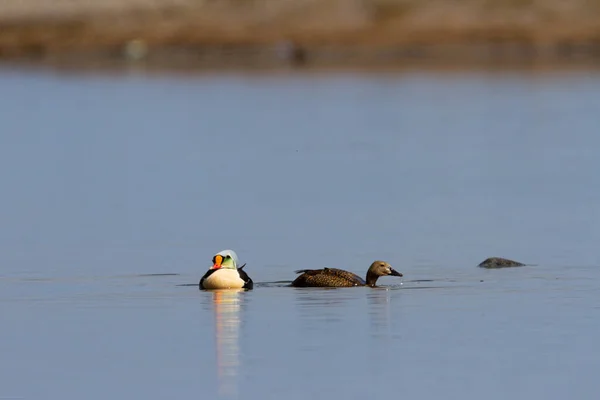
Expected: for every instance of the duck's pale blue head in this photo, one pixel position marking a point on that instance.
(225, 259)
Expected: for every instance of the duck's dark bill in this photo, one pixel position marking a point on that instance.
(395, 273)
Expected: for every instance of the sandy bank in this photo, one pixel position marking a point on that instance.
(321, 31)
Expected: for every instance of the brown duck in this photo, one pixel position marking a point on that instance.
(333, 277)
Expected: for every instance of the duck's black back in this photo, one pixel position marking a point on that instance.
(248, 283)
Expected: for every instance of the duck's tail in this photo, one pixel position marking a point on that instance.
(308, 271)
(301, 271)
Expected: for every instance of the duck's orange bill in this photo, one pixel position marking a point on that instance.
(217, 262)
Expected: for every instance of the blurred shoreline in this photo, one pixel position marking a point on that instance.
(326, 33)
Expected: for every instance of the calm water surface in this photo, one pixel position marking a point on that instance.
(107, 180)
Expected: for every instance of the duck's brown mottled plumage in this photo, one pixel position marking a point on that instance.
(333, 277)
(498, 262)
(327, 277)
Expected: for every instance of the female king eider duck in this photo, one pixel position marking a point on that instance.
(332, 277)
(224, 274)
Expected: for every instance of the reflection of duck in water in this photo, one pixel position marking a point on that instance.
(332, 277)
(498, 262)
(380, 315)
(227, 321)
(224, 274)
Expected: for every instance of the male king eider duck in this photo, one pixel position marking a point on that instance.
(224, 274)
(332, 277)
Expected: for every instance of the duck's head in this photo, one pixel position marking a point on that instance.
(380, 268)
(225, 259)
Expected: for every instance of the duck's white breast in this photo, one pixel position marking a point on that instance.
(224, 278)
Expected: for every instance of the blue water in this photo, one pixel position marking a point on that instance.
(107, 179)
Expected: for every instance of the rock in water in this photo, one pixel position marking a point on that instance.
(498, 262)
